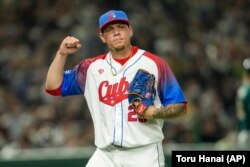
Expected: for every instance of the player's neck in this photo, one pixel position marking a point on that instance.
(123, 53)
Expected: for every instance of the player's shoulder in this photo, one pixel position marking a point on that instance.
(89, 61)
(85, 64)
(157, 59)
(93, 59)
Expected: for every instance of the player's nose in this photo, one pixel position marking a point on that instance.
(116, 31)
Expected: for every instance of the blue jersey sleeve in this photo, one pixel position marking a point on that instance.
(169, 89)
(70, 85)
(74, 80)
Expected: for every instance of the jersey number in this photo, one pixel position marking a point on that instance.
(132, 117)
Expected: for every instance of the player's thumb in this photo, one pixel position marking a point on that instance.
(78, 45)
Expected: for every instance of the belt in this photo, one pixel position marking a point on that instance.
(114, 147)
(117, 146)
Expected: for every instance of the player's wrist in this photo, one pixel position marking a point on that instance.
(149, 112)
(61, 53)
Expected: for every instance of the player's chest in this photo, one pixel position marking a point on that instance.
(111, 89)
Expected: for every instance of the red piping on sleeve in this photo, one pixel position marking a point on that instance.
(55, 92)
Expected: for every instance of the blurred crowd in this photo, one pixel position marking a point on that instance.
(203, 41)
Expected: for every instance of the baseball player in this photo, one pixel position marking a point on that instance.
(243, 108)
(122, 138)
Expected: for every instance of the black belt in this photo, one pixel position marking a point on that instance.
(117, 146)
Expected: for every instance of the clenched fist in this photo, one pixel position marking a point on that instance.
(69, 45)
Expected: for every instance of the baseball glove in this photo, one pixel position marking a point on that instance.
(141, 93)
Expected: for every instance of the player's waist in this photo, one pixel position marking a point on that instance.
(113, 147)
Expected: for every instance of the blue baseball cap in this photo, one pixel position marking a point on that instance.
(111, 17)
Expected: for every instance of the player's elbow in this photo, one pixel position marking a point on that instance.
(185, 108)
(180, 110)
(53, 92)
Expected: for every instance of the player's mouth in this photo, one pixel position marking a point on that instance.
(118, 41)
(118, 38)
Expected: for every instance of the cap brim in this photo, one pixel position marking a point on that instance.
(113, 21)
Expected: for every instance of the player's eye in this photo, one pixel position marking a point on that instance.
(113, 28)
(121, 26)
(108, 29)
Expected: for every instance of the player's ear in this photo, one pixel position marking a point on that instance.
(130, 31)
(102, 37)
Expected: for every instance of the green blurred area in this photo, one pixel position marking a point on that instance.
(48, 163)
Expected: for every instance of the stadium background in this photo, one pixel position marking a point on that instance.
(203, 41)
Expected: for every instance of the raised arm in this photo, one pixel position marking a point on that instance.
(68, 46)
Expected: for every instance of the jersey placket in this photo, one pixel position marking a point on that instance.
(118, 114)
(118, 108)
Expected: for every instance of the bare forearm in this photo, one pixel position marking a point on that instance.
(55, 72)
(68, 46)
(169, 112)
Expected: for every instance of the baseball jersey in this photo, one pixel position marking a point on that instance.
(106, 94)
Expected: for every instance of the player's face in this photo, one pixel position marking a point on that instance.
(117, 36)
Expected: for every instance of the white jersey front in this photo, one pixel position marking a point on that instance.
(106, 94)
